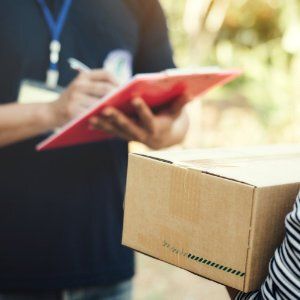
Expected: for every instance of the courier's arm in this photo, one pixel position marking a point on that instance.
(283, 281)
(22, 121)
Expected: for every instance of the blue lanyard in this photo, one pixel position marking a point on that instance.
(55, 28)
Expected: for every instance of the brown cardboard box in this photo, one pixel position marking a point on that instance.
(216, 213)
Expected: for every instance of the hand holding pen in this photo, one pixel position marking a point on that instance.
(154, 130)
(86, 89)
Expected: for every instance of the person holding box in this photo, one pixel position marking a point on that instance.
(61, 211)
(283, 281)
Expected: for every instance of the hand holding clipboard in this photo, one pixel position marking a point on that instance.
(156, 89)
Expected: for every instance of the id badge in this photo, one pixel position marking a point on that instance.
(32, 91)
(119, 63)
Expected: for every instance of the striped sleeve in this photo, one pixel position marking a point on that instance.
(283, 281)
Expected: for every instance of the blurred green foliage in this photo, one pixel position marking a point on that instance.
(262, 37)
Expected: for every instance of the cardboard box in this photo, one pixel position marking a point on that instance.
(216, 213)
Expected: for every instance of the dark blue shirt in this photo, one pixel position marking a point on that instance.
(61, 211)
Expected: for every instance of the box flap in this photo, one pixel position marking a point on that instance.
(257, 166)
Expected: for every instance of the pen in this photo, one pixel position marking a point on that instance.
(77, 65)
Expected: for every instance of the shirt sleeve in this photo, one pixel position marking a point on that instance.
(154, 52)
(283, 281)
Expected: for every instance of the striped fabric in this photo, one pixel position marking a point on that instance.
(283, 281)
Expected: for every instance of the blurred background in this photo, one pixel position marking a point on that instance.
(262, 37)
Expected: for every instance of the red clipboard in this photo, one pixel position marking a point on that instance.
(157, 89)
